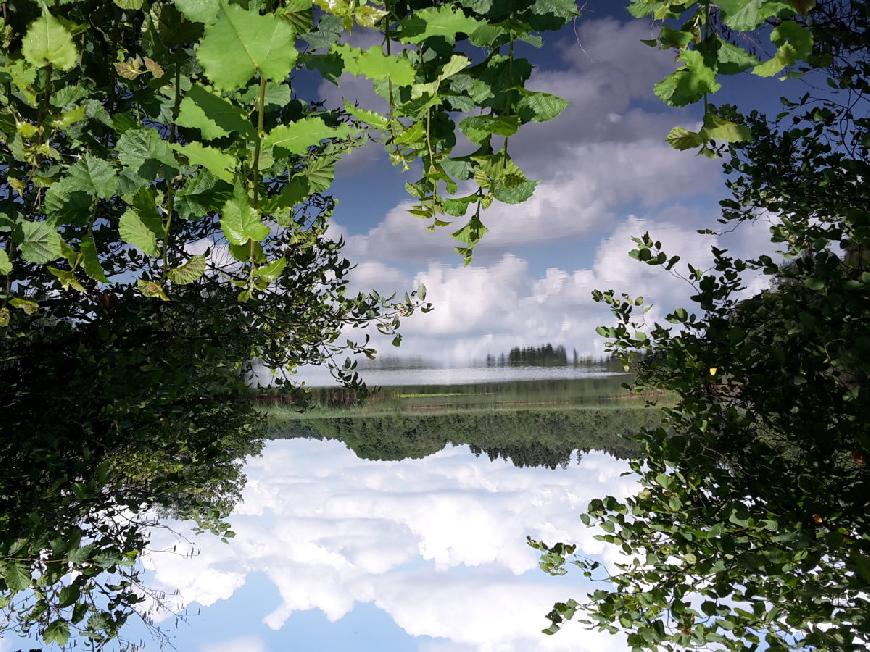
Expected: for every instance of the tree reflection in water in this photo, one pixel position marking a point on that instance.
(108, 430)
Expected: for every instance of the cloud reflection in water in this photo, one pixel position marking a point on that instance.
(439, 544)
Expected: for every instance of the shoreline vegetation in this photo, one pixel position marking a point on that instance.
(529, 423)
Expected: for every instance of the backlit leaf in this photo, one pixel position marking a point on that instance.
(689, 83)
(134, 231)
(212, 115)
(374, 64)
(189, 272)
(298, 136)
(444, 22)
(91, 261)
(212, 159)
(242, 43)
(40, 243)
(47, 43)
(240, 222)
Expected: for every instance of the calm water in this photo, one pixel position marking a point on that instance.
(338, 553)
(401, 529)
(319, 377)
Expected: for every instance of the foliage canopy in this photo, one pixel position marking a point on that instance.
(750, 527)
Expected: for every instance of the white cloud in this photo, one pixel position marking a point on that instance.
(243, 644)
(439, 544)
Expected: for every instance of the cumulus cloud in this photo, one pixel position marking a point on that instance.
(439, 544)
(490, 308)
(243, 644)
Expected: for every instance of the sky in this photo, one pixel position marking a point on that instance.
(605, 174)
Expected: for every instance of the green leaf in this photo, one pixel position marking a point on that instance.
(69, 595)
(794, 42)
(479, 128)
(689, 83)
(212, 115)
(681, 138)
(747, 15)
(241, 43)
(146, 154)
(240, 222)
(134, 231)
(152, 290)
(40, 243)
(200, 11)
(5, 263)
(94, 176)
(540, 107)
(189, 272)
(433, 22)
(717, 128)
(564, 9)
(212, 159)
(26, 306)
(371, 118)
(733, 59)
(47, 43)
(16, 575)
(472, 232)
(376, 65)
(67, 278)
(271, 271)
(298, 136)
(67, 203)
(91, 261)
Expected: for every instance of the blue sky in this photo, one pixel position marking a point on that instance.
(605, 173)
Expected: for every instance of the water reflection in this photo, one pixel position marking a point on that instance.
(382, 530)
(437, 544)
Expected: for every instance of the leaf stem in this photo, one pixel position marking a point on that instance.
(170, 190)
(261, 103)
(261, 106)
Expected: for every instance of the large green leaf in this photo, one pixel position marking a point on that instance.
(444, 22)
(540, 107)
(733, 59)
(134, 231)
(91, 261)
(212, 159)
(689, 83)
(67, 203)
(793, 42)
(201, 11)
(298, 136)
(93, 176)
(47, 43)
(146, 154)
(747, 15)
(16, 576)
(212, 115)
(189, 272)
(374, 64)
(241, 43)
(40, 243)
(240, 222)
(5, 263)
(200, 195)
(480, 127)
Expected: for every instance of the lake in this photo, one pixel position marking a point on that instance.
(401, 523)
